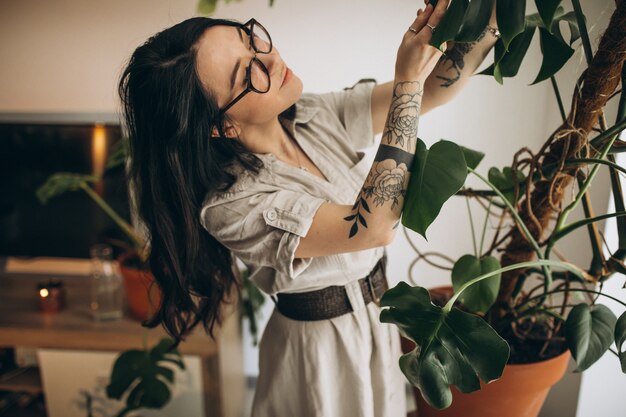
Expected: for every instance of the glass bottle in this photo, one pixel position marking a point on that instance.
(107, 289)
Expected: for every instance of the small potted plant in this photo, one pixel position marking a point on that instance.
(142, 293)
(502, 320)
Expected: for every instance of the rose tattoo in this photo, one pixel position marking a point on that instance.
(403, 115)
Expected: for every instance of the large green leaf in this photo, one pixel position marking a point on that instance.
(450, 24)
(144, 371)
(589, 332)
(481, 295)
(476, 19)
(547, 9)
(505, 181)
(453, 348)
(510, 17)
(436, 175)
(620, 338)
(555, 54)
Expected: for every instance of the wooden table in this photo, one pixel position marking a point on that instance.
(22, 324)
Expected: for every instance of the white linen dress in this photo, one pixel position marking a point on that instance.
(346, 366)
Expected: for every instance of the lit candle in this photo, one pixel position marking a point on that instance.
(51, 296)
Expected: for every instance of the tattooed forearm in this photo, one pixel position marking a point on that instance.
(403, 114)
(455, 56)
(388, 179)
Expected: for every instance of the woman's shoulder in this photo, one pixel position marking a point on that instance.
(245, 184)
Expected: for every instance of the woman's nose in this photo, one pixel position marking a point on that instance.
(271, 61)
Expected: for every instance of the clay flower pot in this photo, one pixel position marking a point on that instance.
(520, 392)
(143, 294)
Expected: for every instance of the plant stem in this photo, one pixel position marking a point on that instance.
(137, 241)
(570, 227)
(596, 161)
(482, 237)
(543, 263)
(582, 26)
(572, 289)
(469, 211)
(520, 223)
(582, 191)
(614, 130)
(513, 212)
(557, 93)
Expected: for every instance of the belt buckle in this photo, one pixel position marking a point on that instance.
(375, 297)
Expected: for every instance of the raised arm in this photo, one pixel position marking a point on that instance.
(448, 78)
(372, 219)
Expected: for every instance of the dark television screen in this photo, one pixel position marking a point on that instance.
(69, 223)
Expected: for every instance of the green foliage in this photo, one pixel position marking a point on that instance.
(143, 377)
(207, 7)
(61, 183)
(480, 296)
(555, 54)
(453, 347)
(556, 51)
(510, 18)
(472, 157)
(589, 331)
(436, 175)
(505, 181)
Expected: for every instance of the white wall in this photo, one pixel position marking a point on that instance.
(66, 55)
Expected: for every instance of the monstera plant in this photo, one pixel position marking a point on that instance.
(500, 303)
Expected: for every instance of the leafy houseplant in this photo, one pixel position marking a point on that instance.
(502, 310)
(141, 378)
(133, 261)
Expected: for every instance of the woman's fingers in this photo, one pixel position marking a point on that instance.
(421, 19)
(438, 12)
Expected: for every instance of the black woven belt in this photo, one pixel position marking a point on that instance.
(332, 301)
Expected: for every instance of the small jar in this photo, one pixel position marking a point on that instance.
(107, 289)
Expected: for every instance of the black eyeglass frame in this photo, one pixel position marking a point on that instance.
(251, 23)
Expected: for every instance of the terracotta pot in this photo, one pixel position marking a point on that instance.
(520, 392)
(142, 293)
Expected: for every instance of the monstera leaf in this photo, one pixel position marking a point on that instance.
(589, 332)
(436, 175)
(480, 296)
(144, 370)
(453, 347)
(556, 51)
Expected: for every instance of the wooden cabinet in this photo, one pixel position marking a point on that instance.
(22, 324)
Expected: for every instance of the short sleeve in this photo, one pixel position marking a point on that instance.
(264, 229)
(353, 107)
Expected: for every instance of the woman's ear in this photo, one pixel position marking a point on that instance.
(230, 131)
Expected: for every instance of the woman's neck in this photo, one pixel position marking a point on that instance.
(272, 138)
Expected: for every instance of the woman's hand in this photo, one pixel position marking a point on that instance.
(416, 58)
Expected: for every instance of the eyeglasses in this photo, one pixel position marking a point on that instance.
(257, 75)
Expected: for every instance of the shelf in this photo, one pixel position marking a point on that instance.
(28, 380)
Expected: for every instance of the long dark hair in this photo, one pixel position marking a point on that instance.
(169, 117)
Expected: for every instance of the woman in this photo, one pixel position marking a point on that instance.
(228, 157)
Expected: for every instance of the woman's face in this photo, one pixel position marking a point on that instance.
(220, 49)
